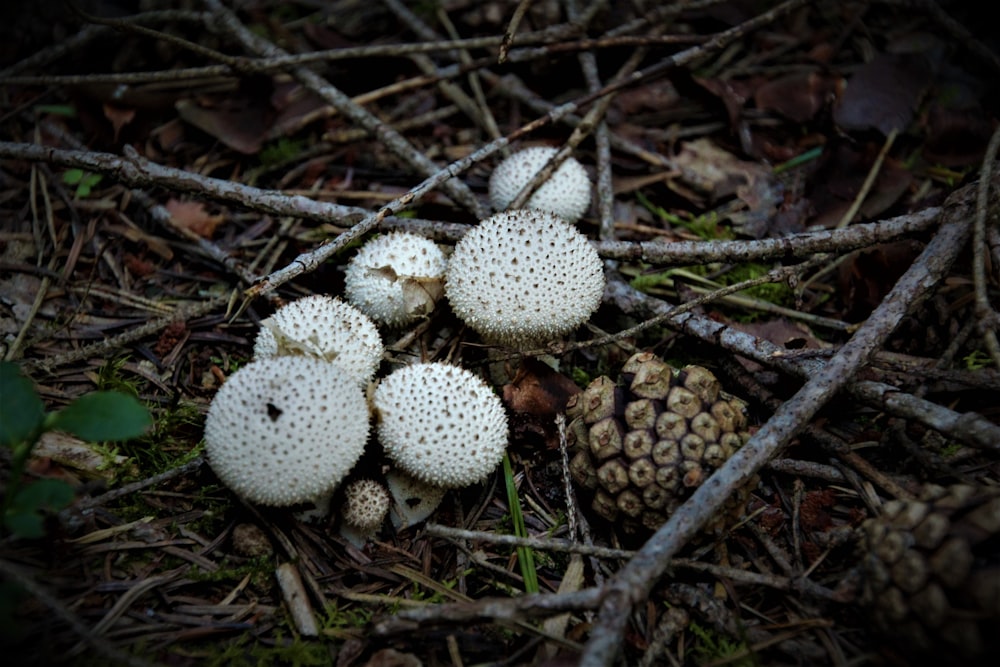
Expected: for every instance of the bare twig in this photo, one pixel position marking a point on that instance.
(985, 314)
(796, 245)
(136, 171)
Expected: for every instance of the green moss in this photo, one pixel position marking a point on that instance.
(333, 618)
(260, 569)
(247, 651)
(111, 378)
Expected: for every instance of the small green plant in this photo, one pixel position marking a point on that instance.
(333, 619)
(525, 555)
(711, 646)
(977, 360)
(98, 416)
(282, 150)
(776, 293)
(84, 181)
(65, 110)
(705, 226)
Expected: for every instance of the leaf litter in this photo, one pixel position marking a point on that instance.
(781, 132)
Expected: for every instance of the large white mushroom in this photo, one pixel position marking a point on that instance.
(326, 328)
(440, 423)
(522, 277)
(566, 192)
(286, 430)
(395, 278)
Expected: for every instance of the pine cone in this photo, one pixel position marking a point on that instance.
(931, 575)
(642, 448)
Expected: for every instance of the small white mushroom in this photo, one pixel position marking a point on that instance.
(366, 503)
(566, 193)
(286, 430)
(326, 328)
(365, 506)
(395, 278)
(440, 423)
(522, 277)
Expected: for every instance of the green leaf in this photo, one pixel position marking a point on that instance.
(103, 415)
(21, 411)
(28, 525)
(24, 517)
(73, 176)
(57, 110)
(525, 556)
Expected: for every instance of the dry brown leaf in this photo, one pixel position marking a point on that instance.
(192, 216)
(714, 171)
(118, 117)
(866, 276)
(785, 333)
(537, 389)
(734, 94)
(243, 130)
(884, 94)
(799, 96)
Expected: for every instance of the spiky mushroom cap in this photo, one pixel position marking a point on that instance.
(286, 430)
(522, 277)
(326, 328)
(566, 193)
(440, 423)
(395, 278)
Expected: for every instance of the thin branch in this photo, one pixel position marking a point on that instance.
(796, 245)
(985, 314)
(136, 171)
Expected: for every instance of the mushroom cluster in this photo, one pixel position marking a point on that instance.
(290, 427)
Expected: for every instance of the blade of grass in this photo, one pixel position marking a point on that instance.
(525, 556)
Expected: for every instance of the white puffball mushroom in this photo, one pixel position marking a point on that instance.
(522, 277)
(366, 504)
(566, 193)
(326, 328)
(395, 278)
(440, 423)
(286, 430)
(412, 500)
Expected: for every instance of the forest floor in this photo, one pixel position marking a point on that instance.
(793, 195)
